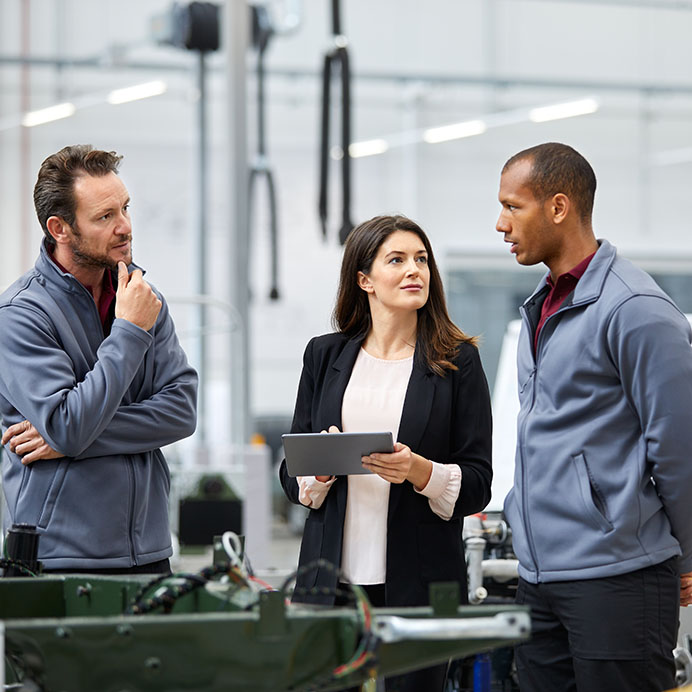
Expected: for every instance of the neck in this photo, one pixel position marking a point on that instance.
(392, 337)
(581, 246)
(87, 276)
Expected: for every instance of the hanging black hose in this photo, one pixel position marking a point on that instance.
(336, 63)
(262, 32)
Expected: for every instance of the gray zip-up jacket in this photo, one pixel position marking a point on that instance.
(603, 476)
(108, 404)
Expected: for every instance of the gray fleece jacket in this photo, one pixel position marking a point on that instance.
(603, 476)
(108, 403)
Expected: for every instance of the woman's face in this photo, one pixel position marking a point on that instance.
(399, 278)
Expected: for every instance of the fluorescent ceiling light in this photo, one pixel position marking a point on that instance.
(47, 115)
(672, 157)
(136, 92)
(368, 147)
(456, 131)
(568, 109)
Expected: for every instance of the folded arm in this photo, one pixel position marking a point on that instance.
(87, 418)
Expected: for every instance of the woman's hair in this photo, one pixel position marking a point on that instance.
(438, 337)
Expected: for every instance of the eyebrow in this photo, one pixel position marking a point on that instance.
(401, 252)
(102, 210)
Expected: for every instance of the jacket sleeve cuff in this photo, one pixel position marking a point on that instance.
(131, 328)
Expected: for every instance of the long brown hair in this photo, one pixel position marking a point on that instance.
(437, 336)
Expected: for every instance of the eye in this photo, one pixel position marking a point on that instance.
(510, 207)
(422, 259)
(126, 208)
(105, 216)
(395, 260)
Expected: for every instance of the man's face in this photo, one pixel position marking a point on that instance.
(524, 220)
(102, 233)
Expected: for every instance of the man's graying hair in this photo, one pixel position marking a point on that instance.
(559, 168)
(54, 189)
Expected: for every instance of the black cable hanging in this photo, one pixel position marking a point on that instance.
(336, 62)
(262, 31)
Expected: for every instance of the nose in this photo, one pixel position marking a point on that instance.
(502, 225)
(124, 225)
(412, 268)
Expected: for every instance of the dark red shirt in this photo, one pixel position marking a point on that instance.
(559, 290)
(107, 296)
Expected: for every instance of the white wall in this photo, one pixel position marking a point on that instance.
(544, 50)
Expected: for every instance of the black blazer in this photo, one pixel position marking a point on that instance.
(445, 419)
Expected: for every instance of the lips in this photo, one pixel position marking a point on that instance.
(411, 287)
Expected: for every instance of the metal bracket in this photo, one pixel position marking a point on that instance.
(391, 628)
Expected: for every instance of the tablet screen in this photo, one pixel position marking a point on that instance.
(332, 454)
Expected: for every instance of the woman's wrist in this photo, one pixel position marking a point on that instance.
(421, 470)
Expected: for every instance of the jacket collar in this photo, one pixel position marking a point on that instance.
(590, 285)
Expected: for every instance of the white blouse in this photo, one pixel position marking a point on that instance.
(373, 402)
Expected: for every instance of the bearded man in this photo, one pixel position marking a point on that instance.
(93, 381)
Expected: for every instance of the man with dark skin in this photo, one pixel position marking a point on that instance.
(600, 509)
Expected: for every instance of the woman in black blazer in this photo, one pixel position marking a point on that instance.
(391, 311)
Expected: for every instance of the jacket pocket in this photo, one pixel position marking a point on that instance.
(527, 381)
(591, 496)
(51, 498)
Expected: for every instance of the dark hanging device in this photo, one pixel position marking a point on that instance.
(336, 62)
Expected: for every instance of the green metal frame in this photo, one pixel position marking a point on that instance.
(69, 633)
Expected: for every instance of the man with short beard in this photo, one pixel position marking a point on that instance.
(93, 381)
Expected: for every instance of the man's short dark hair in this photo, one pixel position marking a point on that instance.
(559, 168)
(54, 189)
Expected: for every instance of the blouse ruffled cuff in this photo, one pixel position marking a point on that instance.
(312, 492)
(443, 489)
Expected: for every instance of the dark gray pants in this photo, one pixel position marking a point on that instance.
(614, 634)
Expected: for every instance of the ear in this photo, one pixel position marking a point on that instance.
(560, 206)
(58, 228)
(365, 283)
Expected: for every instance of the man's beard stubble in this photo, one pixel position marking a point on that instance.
(85, 258)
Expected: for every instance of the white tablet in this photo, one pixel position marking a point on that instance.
(332, 454)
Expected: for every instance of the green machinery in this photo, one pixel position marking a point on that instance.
(216, 631)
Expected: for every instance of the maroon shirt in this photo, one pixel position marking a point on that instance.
(107, 296)
(559, 290)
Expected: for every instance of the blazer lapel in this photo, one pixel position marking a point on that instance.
(330, 414)
(335, 384)
(414, 417)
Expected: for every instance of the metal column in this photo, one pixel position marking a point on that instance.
(236, 35)
(201, 243)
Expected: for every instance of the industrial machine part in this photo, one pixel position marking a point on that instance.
(221, 630)
(262, 32)
(21, 552)
(336, 62)
(491, 564)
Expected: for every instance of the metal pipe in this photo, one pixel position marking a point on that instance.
(201, 242)
(436, 79)
(236, 38)
(474, 559)
(502, 570)
(25, 141)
